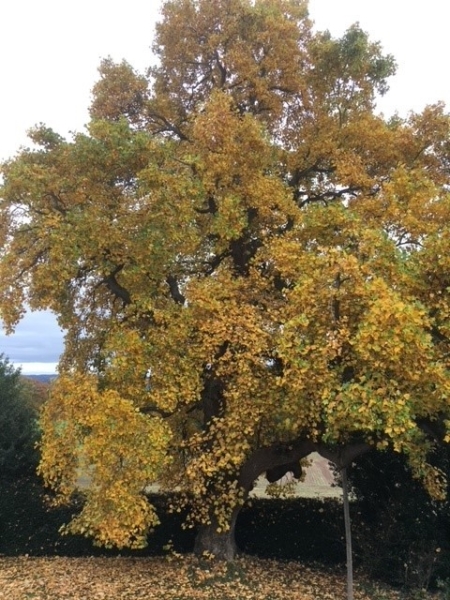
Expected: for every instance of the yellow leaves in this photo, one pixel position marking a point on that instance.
(120, 92)
(231, 219)
(115, 519)
(433, 478)
(386, 410)
(235, 161)
(394, 431)
(101, 436)
(255, 55)
(173, 577)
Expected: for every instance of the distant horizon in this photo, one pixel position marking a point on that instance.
(36, 368)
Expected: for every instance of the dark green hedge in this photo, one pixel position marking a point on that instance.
(308, 530)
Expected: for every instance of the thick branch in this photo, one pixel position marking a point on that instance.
(56, 203)
(216, 261)
(267, 458)
(168, 126)
(326, 197)
(149, 409)
(222, 70)
(172, 282)
(115, 288)
(264, 459)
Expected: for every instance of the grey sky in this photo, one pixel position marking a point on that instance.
(36, 343)
(50, 51)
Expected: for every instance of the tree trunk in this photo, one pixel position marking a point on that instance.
(220, 545)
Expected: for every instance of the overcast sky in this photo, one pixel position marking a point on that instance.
(50, 51)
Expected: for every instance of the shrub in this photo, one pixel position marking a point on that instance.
(18, 424)
(304, 529)
(401, 535)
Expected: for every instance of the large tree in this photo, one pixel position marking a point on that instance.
(248, 261)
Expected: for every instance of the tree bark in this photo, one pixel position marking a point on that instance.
(220, 545)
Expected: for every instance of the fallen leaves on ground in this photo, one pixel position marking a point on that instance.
(174, 578)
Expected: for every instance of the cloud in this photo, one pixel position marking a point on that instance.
(37, 340)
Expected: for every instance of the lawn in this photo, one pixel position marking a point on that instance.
(173, 578)
(317, 483)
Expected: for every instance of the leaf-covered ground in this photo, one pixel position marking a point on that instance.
(178, 578)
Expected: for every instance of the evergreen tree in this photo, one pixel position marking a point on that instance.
(18, 423)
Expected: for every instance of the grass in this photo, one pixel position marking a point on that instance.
(318, 482)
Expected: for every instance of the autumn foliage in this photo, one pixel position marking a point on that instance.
(249, 262)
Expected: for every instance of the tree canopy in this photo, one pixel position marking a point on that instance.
(250, 263)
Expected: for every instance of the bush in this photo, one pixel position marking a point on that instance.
(28, 525)
(18, 424)
(400, 534)
(304, 529)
